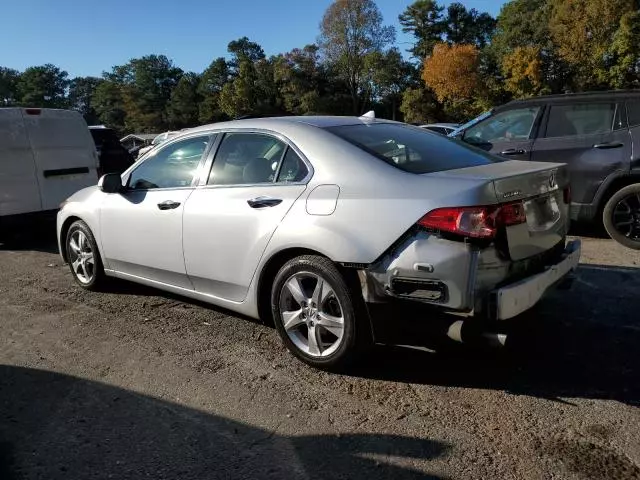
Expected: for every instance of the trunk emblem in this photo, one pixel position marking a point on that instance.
(514, 193)
(552, 180)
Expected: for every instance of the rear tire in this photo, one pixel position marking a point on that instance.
(621, 216)
(83, 257)
(315, 312)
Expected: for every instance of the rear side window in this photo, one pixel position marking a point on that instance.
(633, 112)
(293, 169)
(412, 149)
(246, 158)
(580, 119)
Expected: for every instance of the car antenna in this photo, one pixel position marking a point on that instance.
(369, 114)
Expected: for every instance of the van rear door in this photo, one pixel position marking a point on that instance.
(65, 155)
(19, 191)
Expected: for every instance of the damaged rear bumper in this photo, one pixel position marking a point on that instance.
(516, 298)
(426, 284)
(465, 279)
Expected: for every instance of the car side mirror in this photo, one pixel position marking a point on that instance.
(110, 183)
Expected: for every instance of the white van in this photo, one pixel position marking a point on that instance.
(46, 155)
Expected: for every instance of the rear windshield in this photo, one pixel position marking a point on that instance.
(412, 149)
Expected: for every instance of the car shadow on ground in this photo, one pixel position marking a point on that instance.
(582, 342)
(37, 238)
(56, 426)
(589, 230)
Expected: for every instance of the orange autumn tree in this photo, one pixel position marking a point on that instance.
(452, 71)
(522, 71)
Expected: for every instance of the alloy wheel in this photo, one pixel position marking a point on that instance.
(626, 217)
(81, 257)
(311, 314)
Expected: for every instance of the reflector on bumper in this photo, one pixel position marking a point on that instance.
(519, 297)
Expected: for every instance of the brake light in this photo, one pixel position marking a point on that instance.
(512, 214)
(567, 194)
(474, 222)
(32, 111)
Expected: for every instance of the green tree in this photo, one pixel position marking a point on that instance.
(423, 19)
(351, 31)
(299, 79)
(8, 86)
(391, 76)
(238, 96)
(525, 24)
(108, 103)
(212, 81)
(468, 26)
(583, 31)
(145, 85)
(625, 53)
(182, 109)
(419, 105)
(43, 86)
(242, 50)
(81, 91)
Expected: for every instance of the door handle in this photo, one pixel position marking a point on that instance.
(607, 145)
(168, 205)
(263, 202)
(513, 151)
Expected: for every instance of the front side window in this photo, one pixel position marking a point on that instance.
(173, 166)
(503, 127)
(412, 149)
(246, 158)
(580, 119)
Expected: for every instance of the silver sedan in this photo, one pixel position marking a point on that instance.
(314, 222)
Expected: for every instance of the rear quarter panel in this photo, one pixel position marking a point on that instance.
(377, 202)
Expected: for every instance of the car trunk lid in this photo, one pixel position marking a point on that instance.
(540, 187)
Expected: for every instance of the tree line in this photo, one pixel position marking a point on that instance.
(460, 63)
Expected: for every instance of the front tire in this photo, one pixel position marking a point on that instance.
(621, 216)
(83, 256)
(314, 311)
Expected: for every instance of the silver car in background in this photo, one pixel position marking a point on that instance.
(315, 221)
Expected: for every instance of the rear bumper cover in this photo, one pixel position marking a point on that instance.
(516, 298)
(463, 279)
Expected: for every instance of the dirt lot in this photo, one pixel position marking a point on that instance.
(135, 384)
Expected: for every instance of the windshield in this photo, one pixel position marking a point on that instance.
(159, 139)
(470, 123)
(412, 149)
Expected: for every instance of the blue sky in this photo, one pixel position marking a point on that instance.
(86, 37)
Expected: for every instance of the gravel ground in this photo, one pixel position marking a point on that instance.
(134, 383)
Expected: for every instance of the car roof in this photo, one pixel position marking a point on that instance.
(573, 97)
(273, 122)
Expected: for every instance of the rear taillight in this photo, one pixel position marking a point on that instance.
(512, 214)
(32, 111)
(474, 222)
(567, 195)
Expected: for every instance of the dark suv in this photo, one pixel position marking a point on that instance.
(596, 134)
(114, 158)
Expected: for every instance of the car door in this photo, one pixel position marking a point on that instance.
(228, 221)
(141, 228)
(591, 138)
(508, 133)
